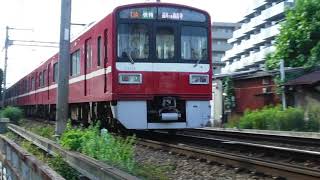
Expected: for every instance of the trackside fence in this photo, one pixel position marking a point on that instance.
(17, 164)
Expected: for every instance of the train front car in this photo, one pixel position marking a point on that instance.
(163, 67)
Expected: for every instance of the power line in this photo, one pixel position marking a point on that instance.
(34, 45)
(31, 41)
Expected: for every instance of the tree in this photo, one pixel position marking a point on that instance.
(229, 94)
(298, 43)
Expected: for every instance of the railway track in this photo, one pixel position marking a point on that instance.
(296, 139)
(271, 160)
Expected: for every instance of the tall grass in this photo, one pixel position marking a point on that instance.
(110, 149)
(100, 145)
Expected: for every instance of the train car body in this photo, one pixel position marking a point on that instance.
(147, 66)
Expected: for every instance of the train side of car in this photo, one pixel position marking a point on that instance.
(144, 66)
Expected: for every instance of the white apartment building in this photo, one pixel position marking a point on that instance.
(254, 40)
(221, 32)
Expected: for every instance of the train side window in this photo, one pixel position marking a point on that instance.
(99, 52)
(40, 79)
(88, 53)
(32, 83)
(106, 45)
(75, 63)
(44, 77)
(27, 85)
(55, 72)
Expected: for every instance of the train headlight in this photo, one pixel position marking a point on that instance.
(130, 78)
(199, 79)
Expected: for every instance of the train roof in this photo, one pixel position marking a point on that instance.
(158, 4)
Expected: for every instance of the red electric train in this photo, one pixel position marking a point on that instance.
(144, 66)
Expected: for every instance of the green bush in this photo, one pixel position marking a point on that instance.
(102, 146)
(71, 139)
(292, 119)
(60, 166)
(313, 123)
(273, 118)
(113, 150)
(13, 113)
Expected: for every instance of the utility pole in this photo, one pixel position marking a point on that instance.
(5, 66)
(282, 76)
(63, 68)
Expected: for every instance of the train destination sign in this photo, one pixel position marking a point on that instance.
(181, 14)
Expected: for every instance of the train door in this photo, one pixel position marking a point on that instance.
(87, 65)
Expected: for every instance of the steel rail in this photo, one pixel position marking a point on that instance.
(260, 136)
(254, 164)
(87, 166)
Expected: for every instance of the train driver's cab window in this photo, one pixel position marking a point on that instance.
(194, 45)
(133, 41)
(165, 43)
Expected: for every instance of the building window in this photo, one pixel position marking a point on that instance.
(75, 63)
(55, 72)
(265, 81)
(99, 52)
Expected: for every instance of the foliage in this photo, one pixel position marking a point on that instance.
(273, 118)
(46, 131)
(56, 163)
(313, 123)
(60, 166)
(105, 147)
(102, 146)
(298, 42)
(13, 113)
(72, 139)
(228, 90)
(40, 128)
(233, 122)
(151, 171)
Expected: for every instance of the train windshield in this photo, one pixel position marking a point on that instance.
(194, 45)
(162, 34)
(133, 41)
(165, 43)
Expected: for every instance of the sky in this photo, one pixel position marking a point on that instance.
(41, 18)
